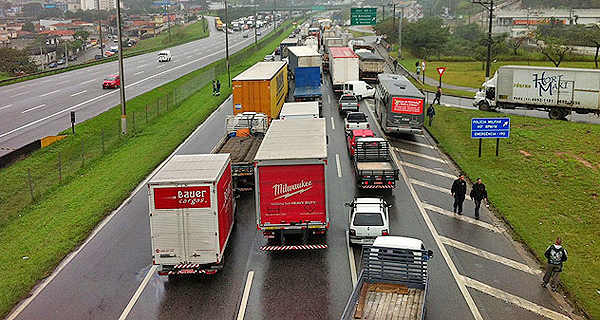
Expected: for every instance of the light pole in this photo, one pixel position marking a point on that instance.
(100, 29)
(273, 16)
(121, 74)
(400, 32)
(255, 31)
(227, 45)
(490, 9)
(168, 19)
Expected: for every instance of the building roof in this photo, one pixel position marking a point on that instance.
(342, 52)
(59, 32)
(308, 136)
(261, 71)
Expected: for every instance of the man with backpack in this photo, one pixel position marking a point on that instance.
(430, 114)
(556, 255)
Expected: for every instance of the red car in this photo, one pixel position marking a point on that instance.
(353, 135)
(112, 81)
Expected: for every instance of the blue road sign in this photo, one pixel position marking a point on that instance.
(490, 128)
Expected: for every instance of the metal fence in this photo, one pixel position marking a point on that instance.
(27, 181)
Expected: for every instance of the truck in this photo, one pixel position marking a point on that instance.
(218, 23)
(191, 213)
(369, 66)
(295, 110)
(243, 135)
(343, 67)
(393, 282)
(303, 57)
(305, 65)
(291, 180)
(333, 42)
(285, 44)
(399, 105)
(261, 88)
(374, 166)
(559, 91)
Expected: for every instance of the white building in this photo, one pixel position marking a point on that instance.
(518, 21)
(102, 4)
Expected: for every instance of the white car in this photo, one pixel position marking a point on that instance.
(164, 56)
(360, 89)
(368, 219)
(355, 121)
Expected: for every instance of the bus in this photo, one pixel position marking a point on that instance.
(399, 105)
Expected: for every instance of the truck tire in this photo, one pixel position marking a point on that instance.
(484, 106)
(555, 114)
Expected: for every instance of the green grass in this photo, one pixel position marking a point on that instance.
(4, 76)
(64, 215)
(359, 34)
(545, 183)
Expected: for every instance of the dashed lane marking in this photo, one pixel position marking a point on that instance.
(138, 292)
(49, 93)
(419, 144)
(78, 93)
(245, 296)
(490, 256)
(339, 167)
(332, 124)
(420, 155)
(516, 300)
(10, 105)
(85, 82)
(430, 186)
(31, 109)
(464, 218)
(421, 168)
(139, 72)
(19, 94)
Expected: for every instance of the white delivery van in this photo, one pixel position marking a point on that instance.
(164, 56)
(360, 89)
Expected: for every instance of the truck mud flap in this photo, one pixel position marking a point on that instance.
(298, 247)
(243, 189)
(378, 186)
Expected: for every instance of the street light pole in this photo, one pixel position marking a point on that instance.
(121, 74)
(255, 29)
(489, 42)
(227, 45)
(168, 21)
(400, 33)
(100, 30)
(273, 16)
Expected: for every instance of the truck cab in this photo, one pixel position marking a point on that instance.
(359, 88)
(367, 219)
(354, 135)
(164, 56)
(485, 98)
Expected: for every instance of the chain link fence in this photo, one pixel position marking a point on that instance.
(27, 181)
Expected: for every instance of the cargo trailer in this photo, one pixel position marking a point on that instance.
(261, 88)
(370, 65)
(343, 67)
(296, 110)
(285, 44)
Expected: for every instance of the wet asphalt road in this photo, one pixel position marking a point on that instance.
(102, 278)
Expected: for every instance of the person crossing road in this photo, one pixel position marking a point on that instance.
(478, 193)
(459, 190)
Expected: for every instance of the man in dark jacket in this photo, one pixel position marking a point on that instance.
(477, 194)
(438, 95)
(459, 190)
(430, 114)
(556, 255)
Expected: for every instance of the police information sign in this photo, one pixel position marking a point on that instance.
(490, 128)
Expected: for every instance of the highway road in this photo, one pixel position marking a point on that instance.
(478, 271)
(41, 107)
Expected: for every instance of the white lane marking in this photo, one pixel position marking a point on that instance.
(439, 173)
(160, 66)
(78, 93)
(420, 155)
(464, 218)
(62, 77)
(188, 56)
(353, 276)
(142, 65)
(104, 222)
(516, 300)
(339, 168)
(490, 256)
(88, 81)
(453, 270)
(328, 99)
(6, 106)
(430, 186)
(49, 93)
(332, 124)
(62, 82)
(245, 295)
(31, 109)
(19, 94)
(138, 293)
(139, 72)
(419, 144)
(49, 80)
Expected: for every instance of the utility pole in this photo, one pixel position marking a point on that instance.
(255, 29)
(169, 20)
(490, 7)
(273, 16)
(383, 7)
(394, 14)
(66, 55)
(121, 74)
(42, 54)
(100, 29)
(227, 45)
(400, 33)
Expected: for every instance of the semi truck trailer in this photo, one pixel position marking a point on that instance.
(343, 67)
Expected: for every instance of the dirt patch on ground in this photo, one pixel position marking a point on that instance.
(525, 153)
(578, 158)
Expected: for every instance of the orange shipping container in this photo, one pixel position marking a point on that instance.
(261, 88)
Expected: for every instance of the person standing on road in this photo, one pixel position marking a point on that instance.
(438, 95)
(556, 255)
(430, 114)
(477, 194)
(459, 190)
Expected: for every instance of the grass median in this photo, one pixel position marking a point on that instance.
(64, 216)
(545, 184)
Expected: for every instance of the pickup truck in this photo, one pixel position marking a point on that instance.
(368, 219)
(393, 282)
(373, 164)
(355, 135)
(354, 121)
(348, 102)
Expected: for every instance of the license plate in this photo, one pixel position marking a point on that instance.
(187, 271)
(270, 236)
(378, 182)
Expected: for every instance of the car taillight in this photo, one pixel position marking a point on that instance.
(347, 126)
(368, 126)
(352, 232)
(384, 232)
(366, 182)
(390, 183)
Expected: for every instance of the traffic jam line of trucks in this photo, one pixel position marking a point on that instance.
(192, 197)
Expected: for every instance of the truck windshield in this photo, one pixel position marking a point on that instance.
(368, 219)
(357, 117)
(348, 98)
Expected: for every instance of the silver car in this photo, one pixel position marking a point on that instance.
(367, 219)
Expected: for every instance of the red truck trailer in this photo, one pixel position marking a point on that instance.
(191, 213)
(291, 182)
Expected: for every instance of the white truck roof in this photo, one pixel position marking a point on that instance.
(304, 51)
(261, 71)
(192, 168)
(291, 109)
(398, 242)
(294, 139)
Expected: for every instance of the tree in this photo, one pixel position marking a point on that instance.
(81, 35)
(591, 36)
(13, 61)
(28, 26)
(469, 32)
(32, 9)
(425, 37)
(555, 49)
(515, 43)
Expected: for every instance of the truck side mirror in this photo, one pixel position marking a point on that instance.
(430, 254)
(348, 204)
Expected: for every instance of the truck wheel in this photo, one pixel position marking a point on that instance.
(484, 106)
(565, 114)
(555, 114)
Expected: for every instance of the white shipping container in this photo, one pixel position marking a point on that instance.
(191, 213)
(343, 66)
(295, 110)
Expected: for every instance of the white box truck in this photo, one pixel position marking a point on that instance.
(559, 91)
(296, 110)
(343, 67)
(191, 213)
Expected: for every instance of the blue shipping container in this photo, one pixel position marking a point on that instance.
(308, 77)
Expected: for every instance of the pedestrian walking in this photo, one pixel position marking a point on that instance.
(218, 87)
(556, 255)
(438, 95)
(418, 70)
(477, 194)
(214, 85)
(459, 190)
(396, 65)
(430, 114)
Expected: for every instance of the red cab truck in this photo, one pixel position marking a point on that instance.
(291, 181)
(191, 213)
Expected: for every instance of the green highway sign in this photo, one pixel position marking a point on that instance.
(318, 8)
(363, 16)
